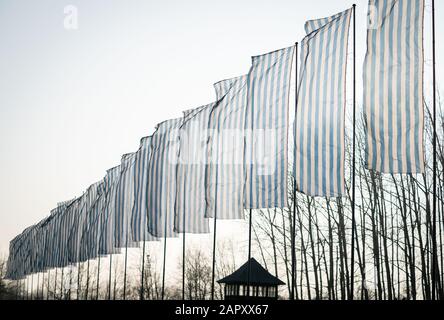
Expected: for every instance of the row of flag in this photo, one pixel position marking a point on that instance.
(230, 155)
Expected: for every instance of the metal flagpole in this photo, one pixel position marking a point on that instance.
(98, 277)
(32, 285)
(38, 282)
(17, 290)
(126, 261)
(142, 296)
(87, 280)
(43, 286)
(27, 287)
(55, 285)
(250, 224)
(164, 261)
(47, 289)
(70, 282)
(213, 270)
(353, 200)
(435, 276)
(293, 234)
(61, 284)
(78, 280)
(183, 259)
(110, 279)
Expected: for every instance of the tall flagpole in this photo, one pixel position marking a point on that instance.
(213, 270)
(70, 282)
(110, 273)
(353, 200)
(43, 286)
(164, 259)
(87, 281)
(47, 289)
(126, 263)
(55, 285)
(32, 286)
(78, 280)
(38, 283)
(435, 276)
(293, 233)
(142, 295)
(250, 224)
(98, 277)
(183, 259)
(61, 284)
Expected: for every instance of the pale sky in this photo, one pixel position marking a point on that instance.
(73, 101)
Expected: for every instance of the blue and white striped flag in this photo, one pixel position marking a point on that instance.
(225, 176)
(190, 204)
(91, 197)
(124, 202)
(267, 119)
(393, 86)
(139, 227)
(162, 179)
(319, 125)
(107, 226)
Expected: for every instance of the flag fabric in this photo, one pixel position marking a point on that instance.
(77, 214)
(162, 179)
(190, 202)
(139, 227)
(393, 87)
(91, 236)
(86, 247)
(225, 176)
(124, 202)
(266, 126)
(106, 245)
(319, 152)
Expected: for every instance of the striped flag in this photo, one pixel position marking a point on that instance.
(190, 204)
(139, 228)
(319, 125)
(393, 87)
(124, 202)
(267, 130)
(162, 179)
(107, 220)
(225, 176)
(91, 197)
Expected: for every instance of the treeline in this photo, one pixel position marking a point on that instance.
(393, 256)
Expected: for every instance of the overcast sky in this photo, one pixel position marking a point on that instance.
(73, 101)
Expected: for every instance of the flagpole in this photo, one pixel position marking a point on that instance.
(43, 286)
(213, 270)
(32, 285)
(47, 289)
(87, 280)
(183, 259)
(78, 280)
(70, 282)
(25, 285)
(126, 262)
(435, 249)
(142, 296)
(110, 273)
(164, 259)
(17, 290)
(98, 277)
(55, 285)
(293, 235)
(249, 251)
(38, 282)
(353, 204)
